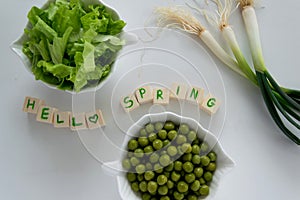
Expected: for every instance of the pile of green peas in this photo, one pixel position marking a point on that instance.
(168, 161)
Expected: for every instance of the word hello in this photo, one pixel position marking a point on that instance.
(146, 94)
(63, 119)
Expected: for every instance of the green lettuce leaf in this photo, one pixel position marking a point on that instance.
(59, 70)
(57, 49)
(88, 57)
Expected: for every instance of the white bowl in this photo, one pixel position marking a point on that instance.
(17, 46)
(224, 162)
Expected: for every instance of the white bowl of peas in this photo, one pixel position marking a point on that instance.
(167, 156)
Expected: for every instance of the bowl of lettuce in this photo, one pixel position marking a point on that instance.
(71, 45)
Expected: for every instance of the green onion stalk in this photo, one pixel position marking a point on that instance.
(282, 103)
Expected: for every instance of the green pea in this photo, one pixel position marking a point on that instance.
(166, 142)
(195, 186)
(196, 159)
(190, 178)
(170, 184)
(167, 174)
(196, 149)
(170, 167)
(202, 181)
(126, 164)
(162, 134)
(140, 177)
(187, 148)
(204, 147)
(169, 126)
(192, 135)
(178, 165)
(172, 150)
(179, 150)
(204, 190)
(149, 175)
(148, 149)
(212, 156)
(205, 160)
(184, 129)
(196, 141)
(164, 198)
(192, 197)
(187, 157)
(134, 161)
(152, 137)
(208, 176)
(178, 196)
(149, 128)
(132, 144)
(211, 167)
(140, 168)
(188, 167)
(143, 132)
(143, 141)
(158, 126)
(148, 166)
(198, 171)
(163, 190)
(162, 179)
(158, 168)
(175, 176)
(146, 196)
(152, 187)
(181, 139)
(143, 186)
(154, 157)
(139, 153)
(182, 187)
(135, 186)
(172, 135)
(131, 177)
(165, 160)
(157, 144)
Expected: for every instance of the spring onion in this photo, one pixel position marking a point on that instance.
(288, 106)
(282, 103)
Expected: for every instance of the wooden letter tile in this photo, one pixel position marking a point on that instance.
(195, 95)
(77, 121)
(45, 114)
(210, 104)
(144, 94)
(61, 119)
(178, 91)
(31, 105)
(129, 103)
(94, 119)
(161, 96)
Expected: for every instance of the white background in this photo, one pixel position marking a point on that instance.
(40, 163)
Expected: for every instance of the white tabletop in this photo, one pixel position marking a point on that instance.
(40, 163)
